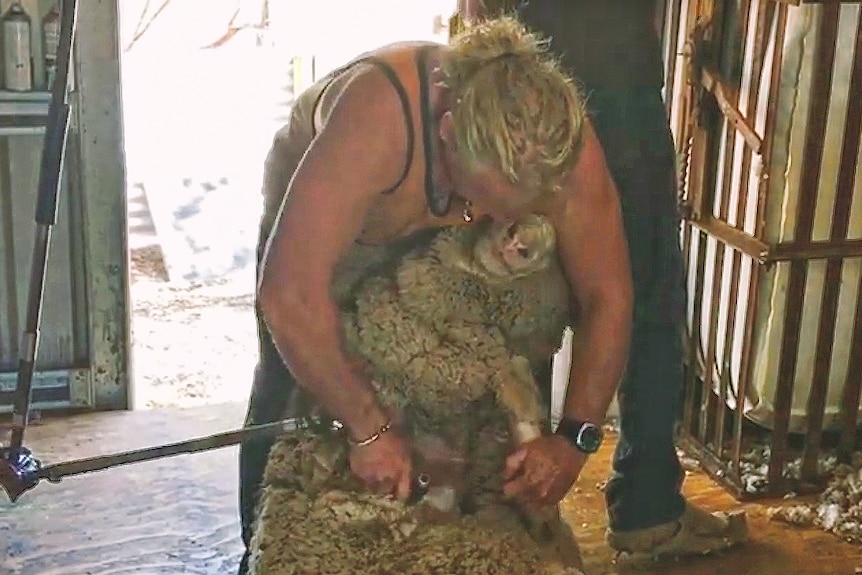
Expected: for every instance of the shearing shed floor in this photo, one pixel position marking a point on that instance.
(178, 515)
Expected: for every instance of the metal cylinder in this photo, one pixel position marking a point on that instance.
(50, 42)
(17, 54)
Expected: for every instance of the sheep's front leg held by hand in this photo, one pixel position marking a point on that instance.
(518, 394)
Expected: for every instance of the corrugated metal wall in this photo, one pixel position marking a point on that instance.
(82, 359)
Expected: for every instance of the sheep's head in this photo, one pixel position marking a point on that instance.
(509, 250)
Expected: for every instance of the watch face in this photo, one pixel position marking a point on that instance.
(590, 438)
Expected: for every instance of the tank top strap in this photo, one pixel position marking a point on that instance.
(438, 203)
(396, 82)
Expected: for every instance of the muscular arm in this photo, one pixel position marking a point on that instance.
(594, 255)
(336, 183)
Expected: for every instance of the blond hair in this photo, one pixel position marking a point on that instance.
(515, 107)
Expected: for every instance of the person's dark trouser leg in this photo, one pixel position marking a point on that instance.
(271, 390)
(644, 490)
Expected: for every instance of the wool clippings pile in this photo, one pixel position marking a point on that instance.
(754, 468)
(839, 508)
(315, 518)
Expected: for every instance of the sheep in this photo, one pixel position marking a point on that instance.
(448, 336)
(463, 318)
(466, 316)
(315, 517)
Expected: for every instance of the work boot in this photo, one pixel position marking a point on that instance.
(697, 532)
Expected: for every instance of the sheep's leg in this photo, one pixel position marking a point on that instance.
(518, 394)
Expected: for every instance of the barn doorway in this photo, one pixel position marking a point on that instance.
(204, 91)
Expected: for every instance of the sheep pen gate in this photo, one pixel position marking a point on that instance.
(765, 103)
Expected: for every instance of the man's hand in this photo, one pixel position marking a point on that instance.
(542, 471)
(385, 465)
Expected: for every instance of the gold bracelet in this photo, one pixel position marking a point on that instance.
(371, 438)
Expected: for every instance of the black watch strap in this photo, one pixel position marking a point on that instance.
(585, 436)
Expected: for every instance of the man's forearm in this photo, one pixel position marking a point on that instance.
(311, 345)
(599, 356)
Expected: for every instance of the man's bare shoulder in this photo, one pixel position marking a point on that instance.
(560, 207)
(370, 97)
(589, 186)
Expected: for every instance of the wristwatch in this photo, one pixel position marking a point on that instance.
(585, 436)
